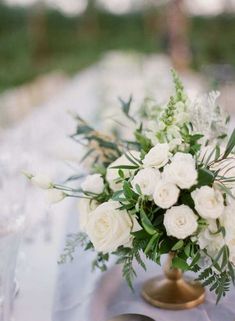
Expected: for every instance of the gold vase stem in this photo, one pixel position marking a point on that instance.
(172, 291)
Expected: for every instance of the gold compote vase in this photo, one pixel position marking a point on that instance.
(172, 291)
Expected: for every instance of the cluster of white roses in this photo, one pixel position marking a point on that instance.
(161, 178)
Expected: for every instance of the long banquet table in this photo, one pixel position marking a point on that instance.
(71, 292)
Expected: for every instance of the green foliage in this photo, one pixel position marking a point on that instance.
(219, 275)
(144, 143)
(101, 261)
(205, 177)
(191, 139)
(179, 263)
(127, 257)
(72, 242)
(126, 108)
(230, 145)
(179, 88)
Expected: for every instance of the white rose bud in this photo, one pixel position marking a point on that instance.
(112, 173)
(146, 179)
(85, 207)
(157, 157)
(180, 221)
(181, 171)
(209, 203)
(166, 194)
(54, 195)
(108, 227)
(42, 181)
(93, 184)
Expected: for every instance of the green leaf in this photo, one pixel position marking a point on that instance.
(138, 189)
(145, 143)
(128, 192)
(230, 145)
(117, 195)
(217, 152)
(84, 129)
(179, 263)
(166, 245)
(186, 199)
(124, 167)
(147, 225)
(126, 108)
(140, 235)
(121, 173)
(178, 245)
(151, 243)
(187, 249)
(231, 271)
(225, 257)
(195, 259)
(205, 177)
(130, 158)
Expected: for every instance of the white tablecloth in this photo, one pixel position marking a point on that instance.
(83, 295)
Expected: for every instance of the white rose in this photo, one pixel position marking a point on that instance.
(181, 171)
(157, 157)
(180, 221)
(207, 239)
(85, 207)
(54, 195)
(209, 203)
(108, 227)
(42, 181)
(93, 184)
(166, 194)
(146, 179)
(112, 173)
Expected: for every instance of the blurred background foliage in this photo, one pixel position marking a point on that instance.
(38, 39)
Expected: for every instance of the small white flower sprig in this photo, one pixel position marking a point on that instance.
(161, 192)
(54, 192)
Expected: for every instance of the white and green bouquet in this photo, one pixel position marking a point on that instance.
(169, 188)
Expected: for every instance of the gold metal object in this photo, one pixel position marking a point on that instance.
(172, 291)
(131, 317)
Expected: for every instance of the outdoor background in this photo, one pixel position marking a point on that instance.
(61, 57)
(41, 37)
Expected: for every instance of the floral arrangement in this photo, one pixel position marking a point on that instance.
(169, 188)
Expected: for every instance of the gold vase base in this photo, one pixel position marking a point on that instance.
(170, 294)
